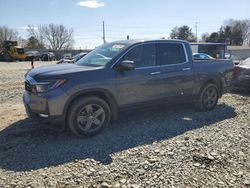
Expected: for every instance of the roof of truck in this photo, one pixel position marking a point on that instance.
(133, 41)
(207, 43)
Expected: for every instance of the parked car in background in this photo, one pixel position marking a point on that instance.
(87, 95)
(33, 54)
(48, 56)
(67, 56)
(236, 59)
(242, 75)
(202, 56)
(73, 59)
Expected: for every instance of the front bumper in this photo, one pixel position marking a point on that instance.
(45, 107)
(35, 104)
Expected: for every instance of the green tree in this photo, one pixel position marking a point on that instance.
(227, 35)
(33, 43)
(237, 34)
(234, 32)
(204, 37)
(183, 33)
(214, 37)
(240, 31)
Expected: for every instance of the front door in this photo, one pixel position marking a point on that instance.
(142, 84)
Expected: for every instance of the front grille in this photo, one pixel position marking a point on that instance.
(28, 86)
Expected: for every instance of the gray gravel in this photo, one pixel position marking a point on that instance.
(164, 146)
(12, 79)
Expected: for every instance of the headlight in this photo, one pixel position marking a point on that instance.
(41, 87)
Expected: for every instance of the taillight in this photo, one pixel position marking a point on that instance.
(234, 74)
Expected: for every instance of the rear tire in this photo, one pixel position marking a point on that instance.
(208, 98)
(88, 116)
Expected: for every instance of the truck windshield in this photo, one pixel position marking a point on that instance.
(20, 50)
(101, 55)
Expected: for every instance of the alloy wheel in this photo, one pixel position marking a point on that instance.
(210, 97)
(91, 117)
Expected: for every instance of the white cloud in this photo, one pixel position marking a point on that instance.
(90, 4)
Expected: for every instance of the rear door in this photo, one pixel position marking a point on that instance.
(142, 84)
(177, 73)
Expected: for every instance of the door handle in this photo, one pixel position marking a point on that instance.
(155, 73)
(186, 69)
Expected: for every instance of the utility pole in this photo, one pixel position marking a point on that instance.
(196, 32)
(103, 32)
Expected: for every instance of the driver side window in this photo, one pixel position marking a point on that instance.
(142, 55)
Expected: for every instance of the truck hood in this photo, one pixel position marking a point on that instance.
(57, 71)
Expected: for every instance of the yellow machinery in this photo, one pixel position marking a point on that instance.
(11, 52)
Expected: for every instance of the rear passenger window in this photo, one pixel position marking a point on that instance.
(142, 55)
(169, 53)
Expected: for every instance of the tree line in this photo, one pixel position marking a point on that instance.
(233, 32)
(50, 36)
(53, 36)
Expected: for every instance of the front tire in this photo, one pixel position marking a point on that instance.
(88, 116)
(208, 98)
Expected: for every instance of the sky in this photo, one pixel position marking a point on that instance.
(137, 18)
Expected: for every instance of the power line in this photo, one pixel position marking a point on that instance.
(196, 26)
(103, 32)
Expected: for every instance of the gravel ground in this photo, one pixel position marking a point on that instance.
(166, 146)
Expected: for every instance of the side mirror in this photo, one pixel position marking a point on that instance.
(125, 65)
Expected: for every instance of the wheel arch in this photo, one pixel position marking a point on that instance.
(100, 93)
(212, 80)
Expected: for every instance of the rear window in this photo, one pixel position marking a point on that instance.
(169, 53)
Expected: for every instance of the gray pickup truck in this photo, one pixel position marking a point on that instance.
(87, 95)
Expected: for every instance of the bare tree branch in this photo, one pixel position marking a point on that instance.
(7, 34)
(53, 36)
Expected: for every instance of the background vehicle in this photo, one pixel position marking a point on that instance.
(48, 56)
(202, 56)
(67, 56)
(217, 50)
(11, 52)
(242, 75)
(236, 59)
(73, 59)
(120, 75)
(33, 54)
